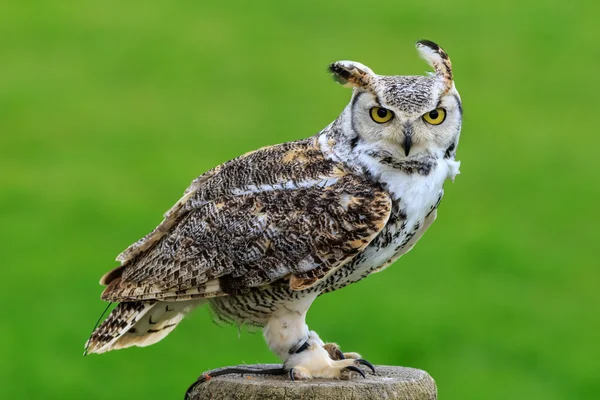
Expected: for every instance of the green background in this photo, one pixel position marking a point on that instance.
(108, 109)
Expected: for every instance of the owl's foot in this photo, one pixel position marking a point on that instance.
(318, 360)
(340, 369)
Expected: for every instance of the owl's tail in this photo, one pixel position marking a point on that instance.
(138, 323)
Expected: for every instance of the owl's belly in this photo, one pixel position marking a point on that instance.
(398, 237)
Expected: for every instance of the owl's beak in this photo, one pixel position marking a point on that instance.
(407, 142)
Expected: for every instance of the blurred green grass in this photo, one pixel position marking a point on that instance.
(109, 109)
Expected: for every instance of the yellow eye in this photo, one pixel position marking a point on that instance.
(435, 117)
(381, 115)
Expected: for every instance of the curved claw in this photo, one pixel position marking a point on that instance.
(292, 374)
(339, 354)
(201, 379)
(356, 369)
(206, 376)
(188, 391)
(366, 363)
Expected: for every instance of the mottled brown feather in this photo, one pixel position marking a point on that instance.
(282, 212)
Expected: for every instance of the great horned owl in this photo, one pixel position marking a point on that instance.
(260, 237)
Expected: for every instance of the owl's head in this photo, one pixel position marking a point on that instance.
(405, 115)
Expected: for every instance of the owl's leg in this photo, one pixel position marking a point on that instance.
(304, 354)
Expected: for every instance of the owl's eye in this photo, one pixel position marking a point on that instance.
(435, 117)
(381, 115)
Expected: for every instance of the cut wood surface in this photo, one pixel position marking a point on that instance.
(389, 382)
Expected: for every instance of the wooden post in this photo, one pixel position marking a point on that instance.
(392, 383)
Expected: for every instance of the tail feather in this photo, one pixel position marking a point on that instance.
(138, 323)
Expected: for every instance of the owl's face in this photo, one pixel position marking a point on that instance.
(407, 116)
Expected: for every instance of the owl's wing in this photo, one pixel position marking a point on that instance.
(225, 241)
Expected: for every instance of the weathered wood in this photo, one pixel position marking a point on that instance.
(392, 383)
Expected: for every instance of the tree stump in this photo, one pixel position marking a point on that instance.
(389, 382)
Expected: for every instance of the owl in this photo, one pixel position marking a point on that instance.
(260, 237)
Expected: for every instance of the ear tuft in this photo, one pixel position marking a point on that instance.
(351, 74)
(438, 59)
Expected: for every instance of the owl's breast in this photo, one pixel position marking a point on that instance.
(414, 208)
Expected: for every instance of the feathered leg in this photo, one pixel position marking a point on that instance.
(304, 354)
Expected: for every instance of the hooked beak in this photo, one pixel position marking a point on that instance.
(407, 143)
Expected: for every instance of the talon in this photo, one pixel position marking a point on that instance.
(201, 379)
(292, 374)
(356, 369)
(233, 370)
(339, 354)
(366, 363)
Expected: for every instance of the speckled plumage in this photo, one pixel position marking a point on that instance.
(296, 217)
(261, 236)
